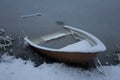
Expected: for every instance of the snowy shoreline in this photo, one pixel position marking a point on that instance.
(18, 69)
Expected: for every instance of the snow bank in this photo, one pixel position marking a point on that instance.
(17, 69)
(5, 41)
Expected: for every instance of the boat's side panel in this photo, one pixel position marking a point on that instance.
(70, 57)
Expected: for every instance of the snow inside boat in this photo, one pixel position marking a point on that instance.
(72, 45)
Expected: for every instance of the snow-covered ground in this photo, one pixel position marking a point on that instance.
(18, 69)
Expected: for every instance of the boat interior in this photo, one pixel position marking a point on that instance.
(62, 39)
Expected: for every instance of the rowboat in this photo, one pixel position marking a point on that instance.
(71, 45)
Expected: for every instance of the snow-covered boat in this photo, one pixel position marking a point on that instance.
(80, 47)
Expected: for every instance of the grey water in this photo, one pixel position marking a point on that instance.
(99, 17)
